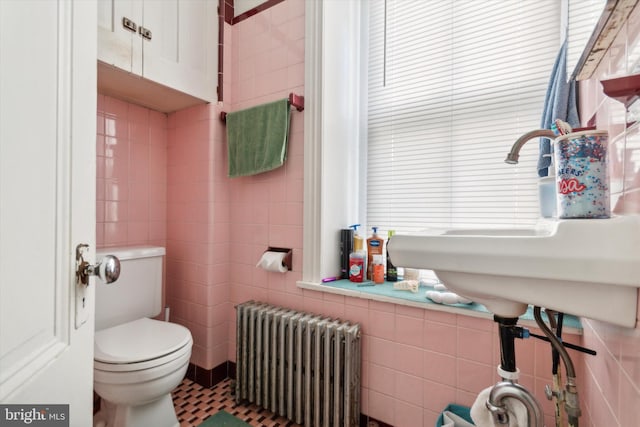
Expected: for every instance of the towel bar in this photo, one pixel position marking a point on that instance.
(296, 101)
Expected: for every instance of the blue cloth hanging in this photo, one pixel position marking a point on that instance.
(560, 103)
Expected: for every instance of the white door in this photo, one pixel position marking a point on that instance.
(47, 201)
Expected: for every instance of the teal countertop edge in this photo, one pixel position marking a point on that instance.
(385, 292)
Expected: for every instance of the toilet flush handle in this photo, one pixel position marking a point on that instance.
(108, 269)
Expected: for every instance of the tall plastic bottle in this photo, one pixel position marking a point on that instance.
(374, 247)
(357, 258)
(392, 271)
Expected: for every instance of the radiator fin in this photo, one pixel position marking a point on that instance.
(298, 365)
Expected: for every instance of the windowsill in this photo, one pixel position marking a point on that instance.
(386, 293)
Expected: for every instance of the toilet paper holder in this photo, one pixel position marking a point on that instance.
(288, 258)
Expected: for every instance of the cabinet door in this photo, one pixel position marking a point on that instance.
(183, 50)
(119, 46)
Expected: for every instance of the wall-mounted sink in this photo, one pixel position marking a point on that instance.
(588, 267)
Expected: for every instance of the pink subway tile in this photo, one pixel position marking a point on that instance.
(474, 377)
(101, 167)
(485, 325)
(475, 345)
(100, 193)
(157, 230)
(382, 306)
(543, 360)
(382, 407)
(115, 233)
(409, 388)
(383, 352)
(439, 368)
(381, 378)
(440, 337)
(436, 396)
(99, 211)
(440, 317)
(629, 415)
(407, 415)
(409, 359)
(116, 108)
(382, 325)
(138, 114)
(116, 212)
(137, 232)
(100, 103)
(115, 190)
(295, 28)
(334, 310)
(138, 210)
(139, 162)
(409, 330)
(340, 299)
(295, 9)
(115, 168)
(100, 145)
(525, 356)
(414, 312)
(100, 235)
(358, 302)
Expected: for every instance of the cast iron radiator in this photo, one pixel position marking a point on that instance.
(298, 365)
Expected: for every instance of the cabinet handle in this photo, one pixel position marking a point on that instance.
(129, 24)
(145, 32)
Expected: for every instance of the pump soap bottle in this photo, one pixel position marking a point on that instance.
(374, 247)
(357, 258)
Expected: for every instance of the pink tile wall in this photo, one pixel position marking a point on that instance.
(198, 231)
(611, 387)
(267, 63)
(415, 361)
(131, 185)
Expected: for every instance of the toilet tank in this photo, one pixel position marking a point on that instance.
(138, 291)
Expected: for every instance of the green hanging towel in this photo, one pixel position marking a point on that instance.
(257, 138)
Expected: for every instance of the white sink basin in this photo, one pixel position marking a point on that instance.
(588, 267)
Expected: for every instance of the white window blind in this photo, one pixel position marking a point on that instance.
(452, 84)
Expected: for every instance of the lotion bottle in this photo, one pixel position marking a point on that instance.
(374, 247)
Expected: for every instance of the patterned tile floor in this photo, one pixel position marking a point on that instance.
(195, 403)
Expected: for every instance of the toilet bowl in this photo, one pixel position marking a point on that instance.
(138, 362)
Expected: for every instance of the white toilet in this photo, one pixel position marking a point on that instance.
(138, 361)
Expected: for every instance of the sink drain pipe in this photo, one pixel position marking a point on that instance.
(508, 387)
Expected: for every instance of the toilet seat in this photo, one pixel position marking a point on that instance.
(140, 344)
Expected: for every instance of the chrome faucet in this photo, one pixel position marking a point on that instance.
(512, 157)
(507, 389)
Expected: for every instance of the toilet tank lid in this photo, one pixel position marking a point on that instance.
(131, 252)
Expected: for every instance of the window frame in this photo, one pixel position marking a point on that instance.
(335, 133)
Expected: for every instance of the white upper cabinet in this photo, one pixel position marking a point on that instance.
(171, 44)
(117, 45)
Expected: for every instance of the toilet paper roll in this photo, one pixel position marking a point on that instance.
(273, 261)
